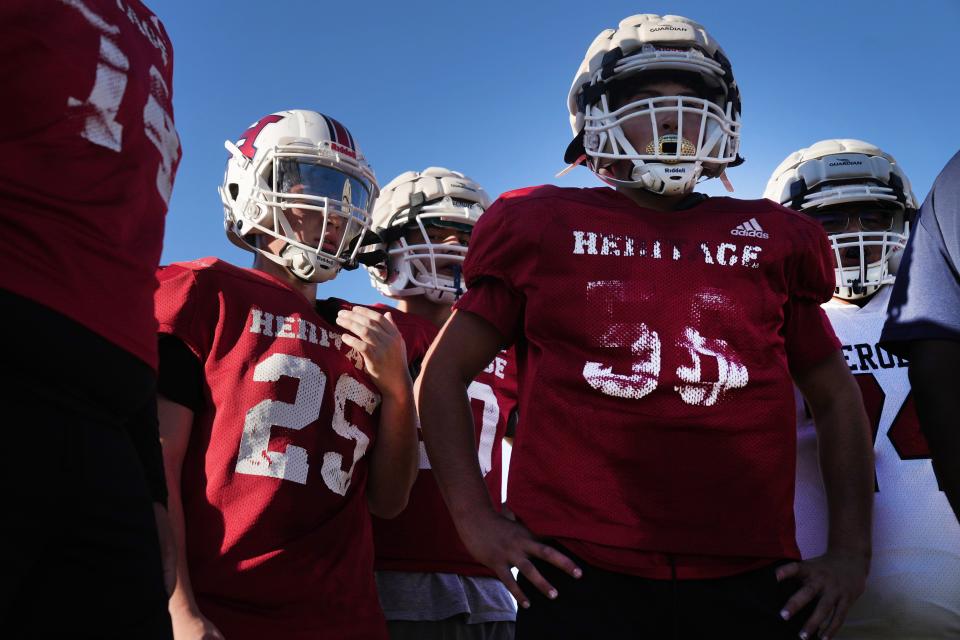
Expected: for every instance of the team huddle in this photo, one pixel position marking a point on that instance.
(711, 426)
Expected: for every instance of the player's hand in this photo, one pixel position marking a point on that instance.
(836, 578)
(502, 544)
(168, 547)
(192, 625)
(377, 339)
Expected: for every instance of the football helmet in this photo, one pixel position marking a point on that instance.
(413, 216)
(689, 137)
(293, 164)
(838, 180)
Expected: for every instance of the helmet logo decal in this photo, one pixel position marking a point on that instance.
(844, 162)
(248, 137)
(668, 27)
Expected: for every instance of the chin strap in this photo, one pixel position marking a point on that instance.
(857, 287)
(571, 166)
(371, 252)
(457, 277)
(726, 182)
(298, 263)
(303, 265)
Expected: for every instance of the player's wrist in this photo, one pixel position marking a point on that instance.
(397, 389)
(182, 604)
(472, 515)
(855, 553)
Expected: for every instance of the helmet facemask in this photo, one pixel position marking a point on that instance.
(865, 257)
(661, 143)
(418, 264)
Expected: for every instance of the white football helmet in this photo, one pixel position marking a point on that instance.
(411, 208)
(298, 161)
(836, 180)
(704, 138)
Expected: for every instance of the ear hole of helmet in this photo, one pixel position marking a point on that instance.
(268, 178)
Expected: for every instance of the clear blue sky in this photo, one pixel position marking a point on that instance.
(481, 87)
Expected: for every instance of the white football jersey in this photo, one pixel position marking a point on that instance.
(913, 590)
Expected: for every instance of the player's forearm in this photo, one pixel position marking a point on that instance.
(176, 423)
(182, 599)
(846, 451)
(447, 425)
(933, 380)
(846, 461)
(393, 462)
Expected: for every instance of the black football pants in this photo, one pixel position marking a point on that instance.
(80, 555)
(605, 604)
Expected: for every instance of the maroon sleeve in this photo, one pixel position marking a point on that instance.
(505, 243)
(490, 247)
(808, 334)
(417, 333)
(500, 262)
(500, 306)
(177, 307)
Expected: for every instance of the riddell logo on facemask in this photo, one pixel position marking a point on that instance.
(677, 170)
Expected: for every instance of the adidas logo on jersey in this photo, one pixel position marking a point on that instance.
(750, 229)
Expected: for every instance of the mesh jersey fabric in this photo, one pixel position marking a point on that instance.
(278, 535)
(87, 160)
(914, 584)
(423, 538)
(654, 353)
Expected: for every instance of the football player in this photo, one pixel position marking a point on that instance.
(923, 323)
(283, 429)
(89, 157)
(862, 198)
(429, 584)
(658, 335)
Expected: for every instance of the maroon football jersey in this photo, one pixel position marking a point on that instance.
(274, 479)
(88, 153)
(423, 538)
(654, 352)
